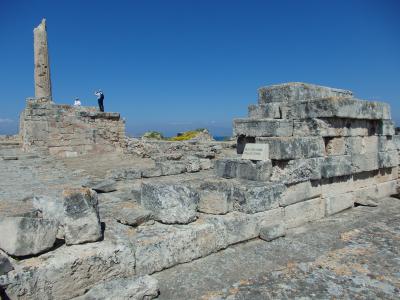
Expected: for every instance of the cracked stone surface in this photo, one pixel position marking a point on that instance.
(352, 255)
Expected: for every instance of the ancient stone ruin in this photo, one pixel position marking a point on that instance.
(68, 233)
(64, 130)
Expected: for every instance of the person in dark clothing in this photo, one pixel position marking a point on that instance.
(100, 99)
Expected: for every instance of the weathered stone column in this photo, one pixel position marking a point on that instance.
(42, 66)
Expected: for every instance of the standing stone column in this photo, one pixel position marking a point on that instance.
(42, 67)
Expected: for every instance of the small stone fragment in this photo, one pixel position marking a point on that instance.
(5, 265)
(366, 201)
(269, 232)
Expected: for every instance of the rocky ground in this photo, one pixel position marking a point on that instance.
(352, 255)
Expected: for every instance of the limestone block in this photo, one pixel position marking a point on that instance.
(192, 164)
(337, 203)
(298, 170)
(335, 146)
(257, 171)
(378, 191)
(215, 196)
(386, 189)
(81, 216)
(331, 127)
(298, 91)
(63, 273)
(284, 148)
(22, 236)
(251, 197)
(152, 172)
(340, 108)
(386, 143)
(388, 159)
(162, 246)
(237, 227)
(137, 287)
(365, 162)
(5, 264)
(206, 163)
(262, 127)
(396, 141)
(171, 167)
(226, 168)
(337, 185)
(299, 192)
(303, 212)
(265, 111)
(269, 232)
(124, 174)
(387, 174)
(170, 203)
(243, 168)
(386, 127)
(364, 179)
(333, 166)
(131, 214)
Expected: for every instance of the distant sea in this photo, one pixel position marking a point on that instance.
(221, 138)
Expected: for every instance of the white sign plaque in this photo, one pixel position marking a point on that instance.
(256, 152)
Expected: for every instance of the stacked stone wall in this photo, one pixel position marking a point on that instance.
(68, 131)
(327, 149)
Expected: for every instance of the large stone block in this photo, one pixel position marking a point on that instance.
(335, 146)
(338, 203)
(244, 169)
(299, 192)
(262, 127)
(303, 212)
(365, 162)
(161, 246)
(386, 127)
(386, 143)
(170, 202)
(81, 216)
(340, 108)
(378, 191)
(388, 159)
(298, 91)
(285, 148)
(333, 166)
(331, 127)
(171, 167)
(251, 197)
(337, 185)
(265, 111)
(215, 196)
(22, 236)
(67, 272)
(298, 170)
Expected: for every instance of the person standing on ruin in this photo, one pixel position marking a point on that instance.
(100, 99)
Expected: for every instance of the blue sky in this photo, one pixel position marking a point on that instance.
(177, 65)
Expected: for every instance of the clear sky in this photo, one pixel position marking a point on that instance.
(177, 65)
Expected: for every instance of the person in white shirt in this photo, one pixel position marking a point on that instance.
(77, 102)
